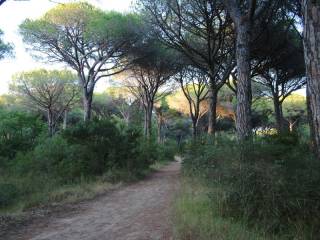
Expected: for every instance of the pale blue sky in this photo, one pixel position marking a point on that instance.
(13, 12)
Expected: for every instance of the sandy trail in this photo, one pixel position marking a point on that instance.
(139, 211)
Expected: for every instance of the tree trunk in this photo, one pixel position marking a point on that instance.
(194, 129)
(312, 137)
(278, 114)
(145, 123)
(87, 105)
(311, 12)
(65, 119)
(244, 96)
(148, 120)
(159, 133)
(50, 123)
(212, 112)
(292, 125)
(160, 130)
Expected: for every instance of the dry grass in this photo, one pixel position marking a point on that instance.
(196, 217)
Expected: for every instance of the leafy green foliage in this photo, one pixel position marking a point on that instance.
(87, 149)
(19, 133)
(8, 193)
(98, 30)
(275, 188)
(97, 149)
(5, 48)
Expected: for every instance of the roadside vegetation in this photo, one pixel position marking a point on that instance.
(83, 157)
(271, 193)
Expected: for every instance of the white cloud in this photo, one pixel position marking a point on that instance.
(14, 12)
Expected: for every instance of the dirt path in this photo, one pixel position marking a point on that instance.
(136, 212)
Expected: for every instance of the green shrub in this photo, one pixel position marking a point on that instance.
(19, 132)
(105, 147)
(276, 187)
(84, 152)
(167, 151)
(50, 157)
(8, 194)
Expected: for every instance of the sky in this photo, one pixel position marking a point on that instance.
(14, 12)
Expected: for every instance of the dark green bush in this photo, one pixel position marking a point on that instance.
(276, 187)
(52, 157)
(105, 147)
(19, 132)
(85, 150)
(8, 194)
(166, 151)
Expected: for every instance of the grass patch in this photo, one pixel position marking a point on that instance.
(28, 192)
(196, 216)
(159, 164)
(51, 194)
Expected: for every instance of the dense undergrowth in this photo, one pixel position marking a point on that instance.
(85, 158)
(272, 192)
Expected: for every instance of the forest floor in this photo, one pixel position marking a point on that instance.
(139, 211)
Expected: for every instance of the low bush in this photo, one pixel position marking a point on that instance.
(19, 132)
(196, 216)
(167, 151)
(276, 186)
(8, 194)
(84, 152)
(87, 149)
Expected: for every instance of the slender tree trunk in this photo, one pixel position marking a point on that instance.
(292, 125)
(145, 122)
(278, 114)
(311, 13)
(312, 137)
(65, 119)
(194, 129)
(50, 122)
(87, 105)
(160, 123)
(212, 113)
(159, 132)
(148, 120)
(244, 95)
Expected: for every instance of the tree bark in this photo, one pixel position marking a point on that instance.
(160, 123)
(311, 13)
(244, 95)
(159, 133)
(50, 122)
(148, 120)
(312, 137)
(194, 129)
(87, 105)
(278, 114)
(212, 113)
(65, 119)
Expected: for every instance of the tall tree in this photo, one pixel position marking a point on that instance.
(280, 65)
(201, 30)
(311, 38)
(193, 85)
(85, 38)
(51, 92)
(154, 66)
(244, 14)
